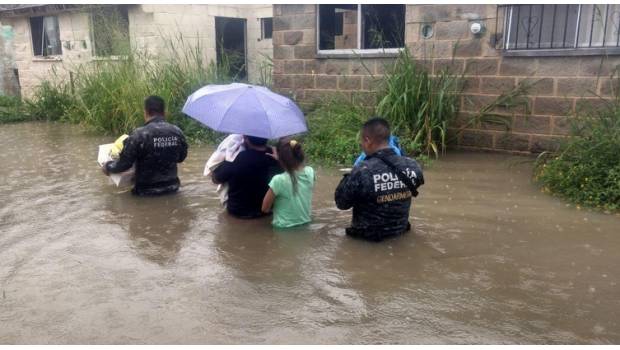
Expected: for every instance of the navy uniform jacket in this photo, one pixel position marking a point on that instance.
(155, 148)
(380, 201)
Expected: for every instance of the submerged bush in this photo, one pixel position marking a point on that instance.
(586, 169)
(419, 105)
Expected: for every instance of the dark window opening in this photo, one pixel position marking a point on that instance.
(380, 27)
(45, 36)
(266, 28)
(339, 23)
(110, 31)
(383, 26)
(230, 45)
(338, 27)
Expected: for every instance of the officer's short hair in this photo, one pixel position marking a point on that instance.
(154, 105)
(377, 129)
(257, 141)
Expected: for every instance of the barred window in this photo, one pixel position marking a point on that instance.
(559, 27)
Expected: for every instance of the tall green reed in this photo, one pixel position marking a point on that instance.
(420, 105)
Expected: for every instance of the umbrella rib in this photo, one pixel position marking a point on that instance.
(266, 113)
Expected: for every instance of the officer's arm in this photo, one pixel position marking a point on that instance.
(183, 153)
(129, 154)
(348, 191)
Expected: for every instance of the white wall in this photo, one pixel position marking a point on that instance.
(148, 25)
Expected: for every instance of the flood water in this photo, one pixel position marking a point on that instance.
(490, 259)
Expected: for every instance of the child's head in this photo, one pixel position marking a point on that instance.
(291, 157)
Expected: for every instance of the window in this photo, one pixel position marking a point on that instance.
(110, 31)
(45, 36)
(361, 27)
(266, 27)
(560, 27)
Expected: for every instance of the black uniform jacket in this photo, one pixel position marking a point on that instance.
(155, 148)
(380, 201)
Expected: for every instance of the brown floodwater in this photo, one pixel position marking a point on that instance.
(490, 259)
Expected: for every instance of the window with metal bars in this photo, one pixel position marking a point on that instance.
(556, 29)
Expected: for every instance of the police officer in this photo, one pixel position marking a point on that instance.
(156, 148)
(380, 188)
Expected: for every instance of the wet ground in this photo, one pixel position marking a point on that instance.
(490, 260)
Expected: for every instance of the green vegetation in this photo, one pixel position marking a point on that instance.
(586, 169)
(334, 130)
(12, 110)
(418, 105)
(107, 95)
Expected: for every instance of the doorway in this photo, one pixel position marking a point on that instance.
(230, 45)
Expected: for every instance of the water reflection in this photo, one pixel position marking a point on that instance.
(156, 226)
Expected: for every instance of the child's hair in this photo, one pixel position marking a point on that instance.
(291, 157)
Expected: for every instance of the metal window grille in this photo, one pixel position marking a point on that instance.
(557, 27)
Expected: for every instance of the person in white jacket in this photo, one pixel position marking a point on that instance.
(227, 150)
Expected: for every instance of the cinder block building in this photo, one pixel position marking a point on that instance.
(52, 37)
(569, 51)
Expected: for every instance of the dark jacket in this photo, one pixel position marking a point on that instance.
(248, 179)
(155, 148)
(379, 199)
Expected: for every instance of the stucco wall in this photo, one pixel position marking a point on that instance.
(149, 25)
(563, 83)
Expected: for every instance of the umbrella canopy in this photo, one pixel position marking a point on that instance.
(245, 109)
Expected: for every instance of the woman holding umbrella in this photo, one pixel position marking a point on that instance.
(257, 113)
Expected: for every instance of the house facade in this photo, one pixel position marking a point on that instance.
(566, 52)
(47, 38)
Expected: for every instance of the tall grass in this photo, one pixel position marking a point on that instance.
(420, 105)
(586, 169)
(12, 110)
(106, 95)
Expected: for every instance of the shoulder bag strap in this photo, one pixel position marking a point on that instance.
(401, 175)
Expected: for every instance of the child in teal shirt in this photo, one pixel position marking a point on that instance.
(290, 193)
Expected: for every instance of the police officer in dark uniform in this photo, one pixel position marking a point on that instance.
(380, 188)
(155, 148)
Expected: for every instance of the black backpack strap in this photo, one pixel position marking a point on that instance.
(400, 174)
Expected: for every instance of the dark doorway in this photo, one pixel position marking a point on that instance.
(230, 45)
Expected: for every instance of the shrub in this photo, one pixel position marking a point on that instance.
(333, 130)
(50, 102)
(586, 169)
(419, 105)
(12, 110)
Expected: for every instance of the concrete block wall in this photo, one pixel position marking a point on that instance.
(299, 73)
(563, 84)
